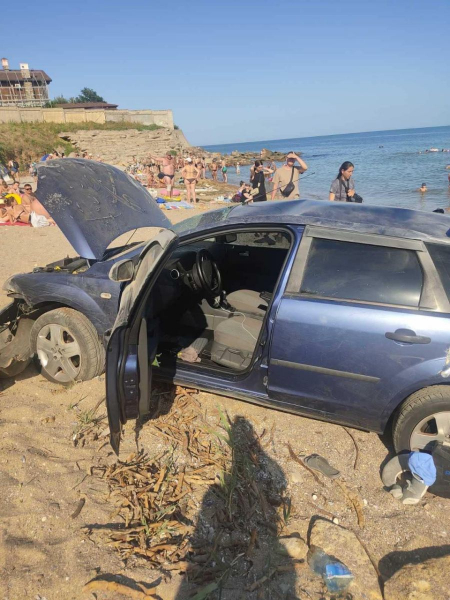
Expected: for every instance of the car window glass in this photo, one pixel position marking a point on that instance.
(441, 259)
(267, 239)
(363, 272)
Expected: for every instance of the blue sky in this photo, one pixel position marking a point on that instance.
(247, 70)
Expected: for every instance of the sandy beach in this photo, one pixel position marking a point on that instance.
(51, 452)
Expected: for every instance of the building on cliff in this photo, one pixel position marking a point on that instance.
(24, 87)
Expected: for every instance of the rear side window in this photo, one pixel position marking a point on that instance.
(362, 272)
(441, 259)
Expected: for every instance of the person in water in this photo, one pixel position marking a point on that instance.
(224, 171)
(423, 188)
(343, 185)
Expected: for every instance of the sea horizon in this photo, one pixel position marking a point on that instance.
(327, 135)
(390, 165)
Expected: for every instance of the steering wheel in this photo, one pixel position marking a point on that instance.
(206, 275)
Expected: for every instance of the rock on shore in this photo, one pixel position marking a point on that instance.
(429, 580)
(247, 158)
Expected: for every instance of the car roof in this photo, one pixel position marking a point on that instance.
(360, 218)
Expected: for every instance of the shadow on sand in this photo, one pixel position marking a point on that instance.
(235, 543)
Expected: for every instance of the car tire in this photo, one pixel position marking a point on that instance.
(67, 346)
(421, 420)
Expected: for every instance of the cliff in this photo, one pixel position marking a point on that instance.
(118, 147)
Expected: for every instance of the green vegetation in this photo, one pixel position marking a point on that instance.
(86, 95)
(27, 142)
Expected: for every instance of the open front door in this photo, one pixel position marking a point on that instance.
(132, 345)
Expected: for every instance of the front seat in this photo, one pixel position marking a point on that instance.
(234, 342)
(248, 302)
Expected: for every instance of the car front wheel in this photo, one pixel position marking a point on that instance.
(67, 346)
(423, 420)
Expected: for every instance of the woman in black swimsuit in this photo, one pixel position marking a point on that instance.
(190, 174)
(257, 180)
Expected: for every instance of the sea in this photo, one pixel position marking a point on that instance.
(390, 166)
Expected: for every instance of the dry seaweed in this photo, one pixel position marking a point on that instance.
(157, 498)
(353, 501)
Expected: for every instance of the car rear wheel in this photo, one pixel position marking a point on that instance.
(67, 346)
(423, 420)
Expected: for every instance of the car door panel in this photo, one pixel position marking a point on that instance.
(128, 374)
(335, 358)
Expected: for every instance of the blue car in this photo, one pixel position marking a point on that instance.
(333, 311)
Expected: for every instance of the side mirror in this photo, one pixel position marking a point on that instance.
(122, 271)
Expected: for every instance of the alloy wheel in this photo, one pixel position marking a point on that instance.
(431, 430)
(59, 352)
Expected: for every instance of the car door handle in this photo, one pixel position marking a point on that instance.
(407, 336)
(246, 254)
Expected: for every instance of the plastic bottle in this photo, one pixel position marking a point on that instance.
(335, 574)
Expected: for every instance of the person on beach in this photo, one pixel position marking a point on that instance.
(213, 168)
(238, 195)
(238, 168)
(4, 188)
(289, 172)
(258, 181)
(27, 196)
(13, 167)
(199, 165)
(168, 170)
(15, 189)
(203, 167)
(243, 194)
(343, 185)
(246, 195)
(423, 188)
(11, 212)
(224, 171)
(190, 174)
(39, 217)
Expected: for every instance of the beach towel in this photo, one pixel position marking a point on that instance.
(177, 205)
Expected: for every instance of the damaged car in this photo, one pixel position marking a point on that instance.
(61, 312)
(332, 311)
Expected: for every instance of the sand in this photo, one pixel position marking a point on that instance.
(43, 475)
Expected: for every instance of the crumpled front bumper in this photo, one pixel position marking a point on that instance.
(15, 347)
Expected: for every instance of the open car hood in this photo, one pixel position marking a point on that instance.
(93, 203)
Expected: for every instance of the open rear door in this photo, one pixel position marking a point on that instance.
(131, 346)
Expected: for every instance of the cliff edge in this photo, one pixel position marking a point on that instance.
(118, 147)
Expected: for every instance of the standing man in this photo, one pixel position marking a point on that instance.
(168, 170)
(13, 167)
(203, 167)
(287, 177)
